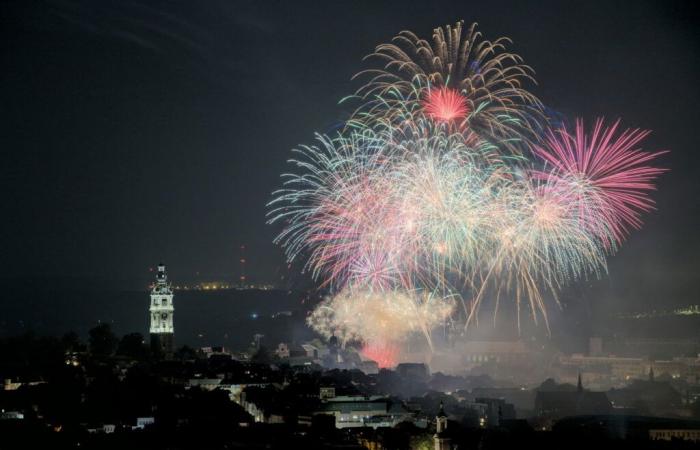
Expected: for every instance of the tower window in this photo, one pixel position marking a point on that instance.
(165, 302)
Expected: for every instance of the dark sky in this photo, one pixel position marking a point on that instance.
(134, 132)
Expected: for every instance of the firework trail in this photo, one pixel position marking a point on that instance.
(540, 246)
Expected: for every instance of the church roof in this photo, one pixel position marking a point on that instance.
(565, 403)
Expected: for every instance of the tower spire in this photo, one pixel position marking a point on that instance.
(440, 438)
(579, 386)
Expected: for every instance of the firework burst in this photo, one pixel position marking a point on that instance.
(445, 105)
(458, 68)
(607, 177)
(540, 247)
(425, 200)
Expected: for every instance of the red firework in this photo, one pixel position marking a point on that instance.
(605, 173)
(383, 353)
(445, 105)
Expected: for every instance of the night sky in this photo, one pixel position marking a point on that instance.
(134, 132)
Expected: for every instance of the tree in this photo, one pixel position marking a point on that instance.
(185, 353)
(132, 345)
(262, 356)
(102, 340)
(695, 409)
(549, 385)
(422, 442)
(71, 342)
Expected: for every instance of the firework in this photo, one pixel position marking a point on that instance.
(608, 178)
(384, 354)
(478, 80)
(382, 211)
(337, 209)
(445, 105)
(415, 207)
(379, 318)
(425, 200)
(540, 247)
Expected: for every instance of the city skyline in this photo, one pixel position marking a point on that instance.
(367, 225)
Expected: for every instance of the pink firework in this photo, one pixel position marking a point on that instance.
(445, 105)
(605, 173)
(345, 223)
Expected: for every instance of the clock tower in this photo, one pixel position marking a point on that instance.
(161, 311)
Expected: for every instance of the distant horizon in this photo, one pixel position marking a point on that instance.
(229, 312)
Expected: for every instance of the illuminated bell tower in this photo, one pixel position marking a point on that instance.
(161, 310)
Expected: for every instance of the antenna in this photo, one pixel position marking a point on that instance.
(242, 278)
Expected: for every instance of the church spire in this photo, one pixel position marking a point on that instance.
(579, 386)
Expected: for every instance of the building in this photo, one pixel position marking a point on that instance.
(11, 415)
(692, 434)
(10, 385)
(497, 410)
(326, 393)
(143, 422)
(207, 384)
(288, 350)
(368, 367)
(500, 359)
(637, 428)
(220, 352)
(522, 399)
(554, 405)
(161, 311)
(603, 371)
(414, 371)
(363, 411)
(648, 397)
(478, 352)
